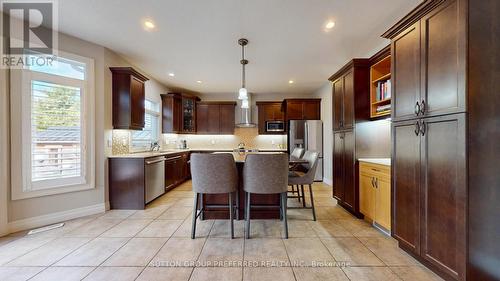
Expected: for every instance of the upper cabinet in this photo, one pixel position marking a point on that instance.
(128, 98)
(178, 113)
(302, 109)
(429, 64)
(380, 83)
(215, 118)
(350, 91)
(270, 111)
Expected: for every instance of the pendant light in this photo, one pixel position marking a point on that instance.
(243, 93)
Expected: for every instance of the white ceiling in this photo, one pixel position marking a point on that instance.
(197, 39)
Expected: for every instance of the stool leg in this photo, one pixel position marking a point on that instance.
(303, 196)
(195, 212)
(202, 215)
(237, 204)
(284, 200)
(231, 214)
(312, 202)
(247, 230)
(297, 191)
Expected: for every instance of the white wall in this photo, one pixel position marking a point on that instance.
(4, 150)
(325, 93)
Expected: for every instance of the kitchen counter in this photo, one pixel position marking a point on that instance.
(380, 161)
(149, 154)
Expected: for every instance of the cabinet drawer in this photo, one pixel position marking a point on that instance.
(375, 170)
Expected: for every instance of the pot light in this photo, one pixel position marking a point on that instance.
(291, 81)
(199, 81)
(148, 24)
(171, 74)
(330, 25)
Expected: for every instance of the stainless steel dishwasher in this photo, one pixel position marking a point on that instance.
(155, 177)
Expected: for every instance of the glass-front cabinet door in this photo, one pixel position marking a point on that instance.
(188, 115)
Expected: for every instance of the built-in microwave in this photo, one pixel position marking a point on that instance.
(275, 126)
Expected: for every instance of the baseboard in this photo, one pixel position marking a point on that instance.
(43, 220)
(328, 181)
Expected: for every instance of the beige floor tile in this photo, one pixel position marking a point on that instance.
(114, 274)
(304, 214)
(360, 228)
(63, 273)
(265, 228)
(370, 274)
(300, 228)
(177, 213)
(415, 273)
(338, 212)
(329, 228)
(222, 249)
(268, 274)
(185, 202)
(319, 274)
(266, 250)
(160, 228)
(323, 201)
(216, 273)
(93, 228)
(49, 253)
(68, 227)
(7, 239)
(179, 250)
(18, 273)
(117, 214)
(306, 251)
(137, 252)
(165, 274)
(152, 212)
(180, 194)
(388, 251)
(324, 213)
(202, 228)
(93, 253)
(20, 247)
(352, 251)
(221, 228)
(127, 228)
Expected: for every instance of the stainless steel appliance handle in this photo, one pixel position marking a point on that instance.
(174, 158)
(156, 160)
(306, 136)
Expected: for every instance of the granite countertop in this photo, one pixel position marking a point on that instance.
(149, 154)
(380, 161)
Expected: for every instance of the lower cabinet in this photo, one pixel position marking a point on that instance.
(176, 169)
(375, 193)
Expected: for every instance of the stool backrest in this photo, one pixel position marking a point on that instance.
(266, 173)
(297, 152)
(213, 173)
(312, 158)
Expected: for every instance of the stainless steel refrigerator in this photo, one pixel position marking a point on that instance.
(307, 134)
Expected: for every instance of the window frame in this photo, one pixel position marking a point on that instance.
(22, 185)
(156, 114)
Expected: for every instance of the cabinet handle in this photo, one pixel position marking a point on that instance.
(376, 182)
(341, 123)
(423, 128)
(417, 128)
(376, 170)
(422, 107)
(417, 108)
(373, 182)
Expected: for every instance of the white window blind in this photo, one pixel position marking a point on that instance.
(141, 140)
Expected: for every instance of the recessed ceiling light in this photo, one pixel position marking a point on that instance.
(171, 74)
(199, 81)
(330, 25)
(148, 24)
(291, 81)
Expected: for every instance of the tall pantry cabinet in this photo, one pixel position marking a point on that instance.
(440, 102)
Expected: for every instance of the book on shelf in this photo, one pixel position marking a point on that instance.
(382, 108)
(383, 90)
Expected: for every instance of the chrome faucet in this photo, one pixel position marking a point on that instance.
(241, 145)
(154, 146)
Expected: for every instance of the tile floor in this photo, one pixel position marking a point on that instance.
(155, 244)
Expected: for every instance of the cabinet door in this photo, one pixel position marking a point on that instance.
(405, 50)
(348, 104)
(367, 195)
(294, 110)
(338, 166)
(350, 188)
(311, 110)
(277, 112)
(202, 118)
(213, 124)
(170, 174)
(226, 118)
(338, 93)
(443, 60)
(444, 193)
(383, 202)
(136, 103)
(406, 185)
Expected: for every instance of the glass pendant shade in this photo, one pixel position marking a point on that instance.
(243, 94)
(244, 103)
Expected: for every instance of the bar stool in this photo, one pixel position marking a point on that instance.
(296, 178)
(296, 153)
(213, 174)
(266, 174)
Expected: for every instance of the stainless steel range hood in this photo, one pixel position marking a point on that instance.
(246, 115)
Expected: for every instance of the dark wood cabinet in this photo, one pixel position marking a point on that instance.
(270, 111)
(215, 117)
(176, 169)
(302, 109)
(338, 166)
(178, 113)
(128, 98)
(351, 94)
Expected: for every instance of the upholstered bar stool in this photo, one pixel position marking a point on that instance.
(266, 174)
(297, 154)
(213, 174)
(301, 179)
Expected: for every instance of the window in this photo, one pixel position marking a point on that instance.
(55, 111)
(141, 140)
